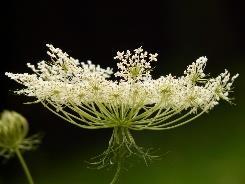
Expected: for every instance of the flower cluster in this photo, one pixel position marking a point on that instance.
(135, 67)
(64, 82)
(195, 72)
(83, 94)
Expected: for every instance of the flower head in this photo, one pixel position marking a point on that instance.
(64, 84)
(84, 95)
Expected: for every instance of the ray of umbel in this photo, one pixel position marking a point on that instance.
(84, 95)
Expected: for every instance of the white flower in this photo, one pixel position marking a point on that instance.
(134, 67)
(221, 85)
(120, 55)
(139, 50)
(64, 82)
(84, 95)
(195, 72)
(153, 57)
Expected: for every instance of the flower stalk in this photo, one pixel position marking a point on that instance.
(116, 176)
(24, 166)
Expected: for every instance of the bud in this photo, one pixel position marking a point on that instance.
(13, 131)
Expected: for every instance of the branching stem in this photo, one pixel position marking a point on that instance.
(116, 176)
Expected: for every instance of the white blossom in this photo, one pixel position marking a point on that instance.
(134, 67)
(64, 81)
(195, 72)
(153, 57)
(84, 95)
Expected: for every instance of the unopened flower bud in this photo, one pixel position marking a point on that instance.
(13, 131)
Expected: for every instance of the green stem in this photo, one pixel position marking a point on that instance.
(116, 176)
(24, 166)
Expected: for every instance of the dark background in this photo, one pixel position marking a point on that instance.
(209, 150)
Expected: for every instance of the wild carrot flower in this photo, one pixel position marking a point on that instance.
(13, 131)
(84, 95)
